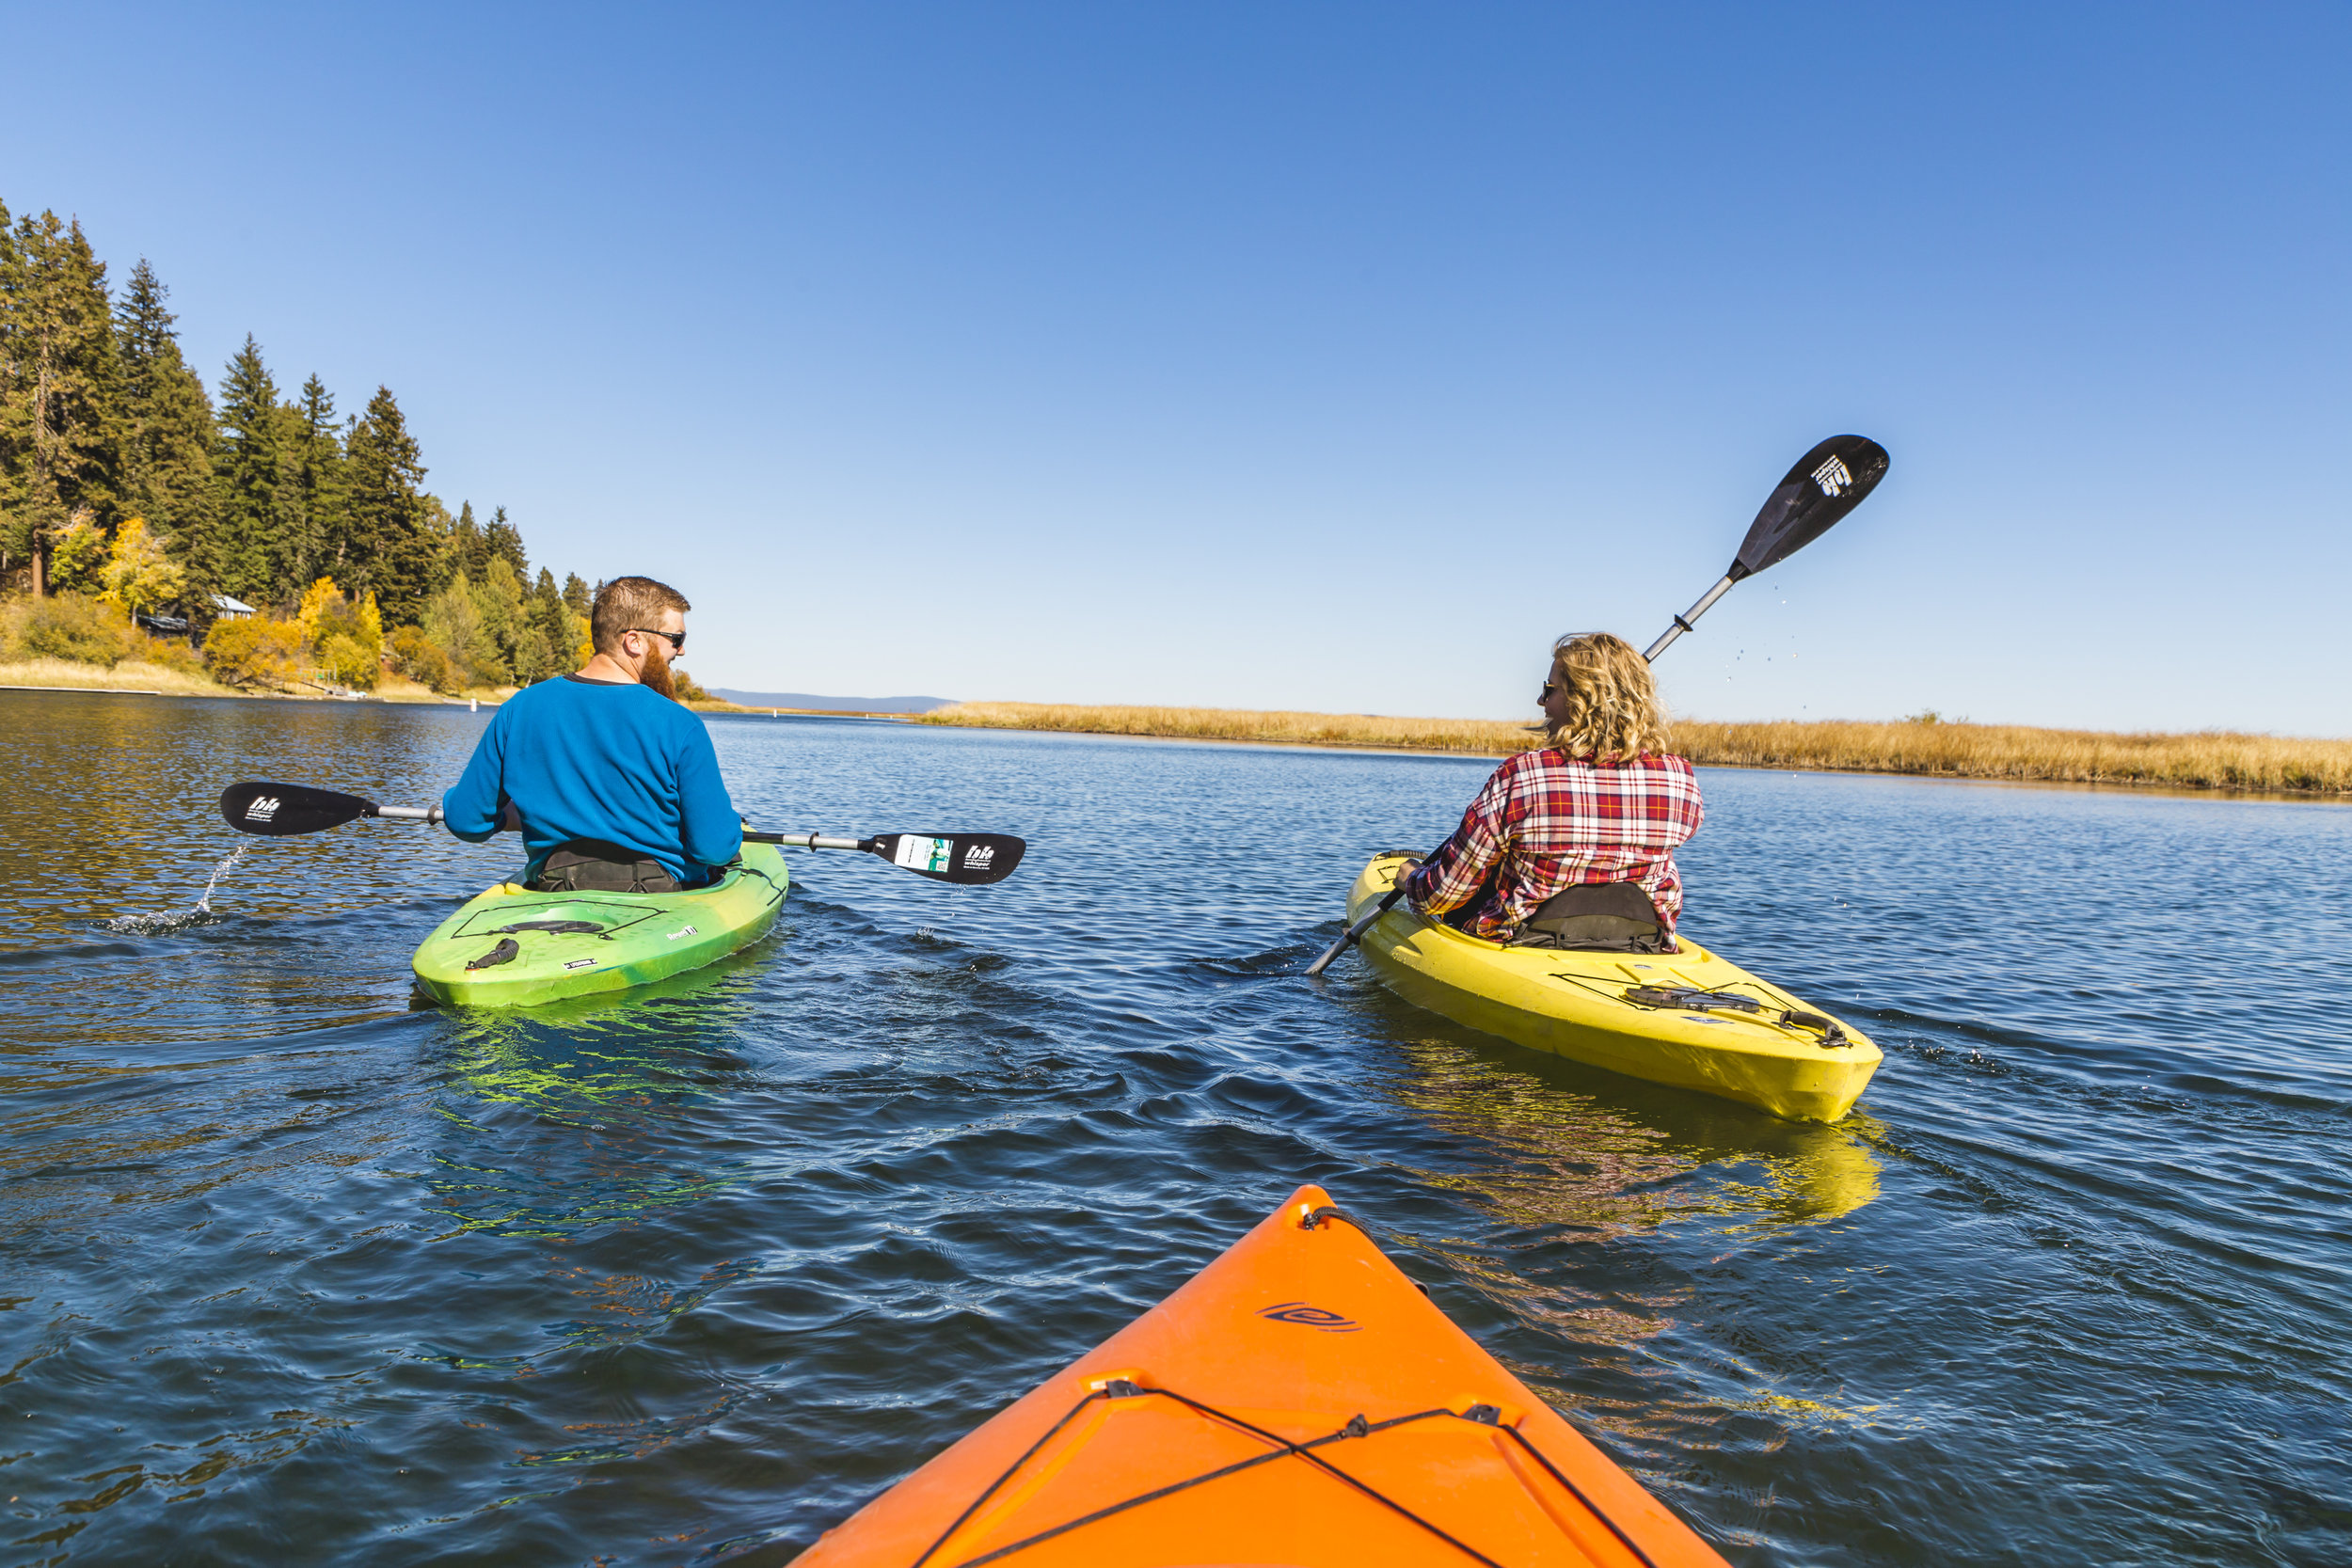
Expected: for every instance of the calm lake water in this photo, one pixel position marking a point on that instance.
(292, 1271)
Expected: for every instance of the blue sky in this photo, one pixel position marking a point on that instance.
(1308, 355)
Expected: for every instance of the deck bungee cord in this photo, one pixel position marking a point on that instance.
(1358, 1427)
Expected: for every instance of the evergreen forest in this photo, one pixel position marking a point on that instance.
(133, 503)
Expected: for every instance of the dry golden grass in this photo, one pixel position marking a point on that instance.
(130, 675)
(2210, 760)
(1212, 724)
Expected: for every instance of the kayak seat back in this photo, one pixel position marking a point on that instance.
(1597, 917)
(592, 865)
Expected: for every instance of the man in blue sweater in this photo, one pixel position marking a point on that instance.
(616, 785)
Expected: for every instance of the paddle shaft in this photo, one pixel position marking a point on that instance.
(789, 841)
(808, 841)
(1683, 622)
(1355, 933)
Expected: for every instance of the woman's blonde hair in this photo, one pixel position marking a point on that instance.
(1612, 703)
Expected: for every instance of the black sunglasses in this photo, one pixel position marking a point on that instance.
(1545, 695)
(677, 639)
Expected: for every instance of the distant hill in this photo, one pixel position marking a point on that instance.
(832, 705)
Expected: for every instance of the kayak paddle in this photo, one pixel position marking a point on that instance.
(1826, 485)
(281, 811)
(969, 859)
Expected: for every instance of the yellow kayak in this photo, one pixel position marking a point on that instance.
(1694, 1020)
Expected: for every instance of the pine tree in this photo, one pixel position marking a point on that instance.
(575, 595)
(57, 455)
(440, 529)
(504, 539)
(248, 515)
(468, 553)
(392, 551)
(551, 618)
(312, 484)
(163, 423)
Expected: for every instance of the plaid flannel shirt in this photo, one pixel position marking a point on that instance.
(1545, 822)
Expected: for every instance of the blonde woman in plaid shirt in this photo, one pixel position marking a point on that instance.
(1557, 846)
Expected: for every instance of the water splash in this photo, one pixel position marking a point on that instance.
(164, 925)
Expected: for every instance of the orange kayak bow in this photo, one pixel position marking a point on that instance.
(1297, 1401)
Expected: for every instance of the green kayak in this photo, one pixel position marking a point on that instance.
(510, 948)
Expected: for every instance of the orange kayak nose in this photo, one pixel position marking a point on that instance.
(1297, 1401)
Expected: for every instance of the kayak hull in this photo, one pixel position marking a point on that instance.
(1574, 1004)
(638, 937)
(1179, 1440)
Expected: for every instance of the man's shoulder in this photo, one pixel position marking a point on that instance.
(625, 700)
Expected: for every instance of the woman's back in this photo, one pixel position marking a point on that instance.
(1545, 822)
(1604, 803)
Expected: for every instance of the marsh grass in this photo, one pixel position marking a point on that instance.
(2204, 760)
(131, 674)
(1474, 735)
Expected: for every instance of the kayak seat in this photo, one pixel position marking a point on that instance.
(1597, 917)
(592, 865)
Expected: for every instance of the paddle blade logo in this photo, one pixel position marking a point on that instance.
(1309, 1317)
(979, 857)
(263, 808)
(917, 853)
(1832, 477)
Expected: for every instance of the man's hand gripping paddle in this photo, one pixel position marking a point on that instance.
(1826, 485)
(971, 860)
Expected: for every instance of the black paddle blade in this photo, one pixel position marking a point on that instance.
(1827, 483)
(971, 859)
(278, 811)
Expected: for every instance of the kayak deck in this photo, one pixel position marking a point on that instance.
(1298, 1401)
(1632, 1013)
(510, 948)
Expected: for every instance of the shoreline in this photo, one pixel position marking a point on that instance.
(135, 678)
(2204, 763)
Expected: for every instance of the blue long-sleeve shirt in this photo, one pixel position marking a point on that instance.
(599, 759)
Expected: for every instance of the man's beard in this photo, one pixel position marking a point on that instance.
(654, 672)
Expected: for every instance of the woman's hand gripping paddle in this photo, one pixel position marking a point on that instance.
(280, 811)
(1826, 485)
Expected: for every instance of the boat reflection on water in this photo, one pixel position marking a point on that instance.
(1570, 1158)
(1556, 1144)
(632, 1071)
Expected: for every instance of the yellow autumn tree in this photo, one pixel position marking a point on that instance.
(77, 555)
(345, 636)
(137, 576)
(316, 599)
